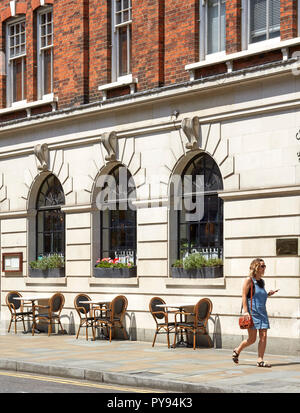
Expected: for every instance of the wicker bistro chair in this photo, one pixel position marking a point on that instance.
(49, 313)
(163, 326)
(113, 316)
(86, 314)
(14, 306)
(195, 321)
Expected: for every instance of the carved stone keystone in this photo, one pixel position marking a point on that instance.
(191, 128)
(42, 153)
(109, 140)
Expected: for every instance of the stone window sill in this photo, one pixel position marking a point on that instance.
(252, 50)
(122, 81)
(45, 281)
(24, 105)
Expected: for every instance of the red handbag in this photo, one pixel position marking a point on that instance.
(246, 321)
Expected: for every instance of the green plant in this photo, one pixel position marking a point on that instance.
(48, 261)
(178, 264)
(197, 260)
(194, 261)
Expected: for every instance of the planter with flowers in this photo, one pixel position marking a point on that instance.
(48, 266)
(197, 266)
(112, 268)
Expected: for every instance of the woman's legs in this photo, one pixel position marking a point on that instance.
(262, 344)
(250, 340)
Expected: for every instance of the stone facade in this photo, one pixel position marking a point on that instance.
(248, 112)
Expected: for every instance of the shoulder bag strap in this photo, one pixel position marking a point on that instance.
(251, 294)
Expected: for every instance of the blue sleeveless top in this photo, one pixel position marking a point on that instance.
(259, 312)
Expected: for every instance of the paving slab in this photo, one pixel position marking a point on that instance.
(136, 363)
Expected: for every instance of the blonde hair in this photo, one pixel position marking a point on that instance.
(254, 266)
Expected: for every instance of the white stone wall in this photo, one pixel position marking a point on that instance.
(256, 151)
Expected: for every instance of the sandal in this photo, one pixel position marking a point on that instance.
(263, 364)
(235, 357)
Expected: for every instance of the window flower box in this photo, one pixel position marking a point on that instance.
(197, 266)
(48, 273)
(108, 268)
(48, 266)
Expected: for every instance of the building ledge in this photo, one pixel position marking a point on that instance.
(127, 80)
(24, 105)
(252, 50)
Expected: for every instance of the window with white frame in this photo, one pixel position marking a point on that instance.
(45, 52)
(212, 27)
(263, 20)
(121, 36)
(16, 61)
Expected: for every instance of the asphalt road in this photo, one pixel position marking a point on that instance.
(15, 382)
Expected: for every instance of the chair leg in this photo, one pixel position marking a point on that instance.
(23, 324)
(194, 340)
(168, 339)
(9, 325)
(78, 331)
(93, 331)
(49, 328)
(154, 338)
(175, 336)
(110, 327)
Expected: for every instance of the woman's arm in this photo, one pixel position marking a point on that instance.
(246, 287)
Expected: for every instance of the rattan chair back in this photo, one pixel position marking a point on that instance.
(57, 302)
(158, 313)
(202, 311)
(118, 307)
(82, 308)
(13, 304)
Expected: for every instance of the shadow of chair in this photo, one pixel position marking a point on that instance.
(49, 313)
(160, 315)
(114, 315)
(15, 305)
(195, 321)
(86, 314)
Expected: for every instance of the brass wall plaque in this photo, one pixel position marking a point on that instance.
(287, 246)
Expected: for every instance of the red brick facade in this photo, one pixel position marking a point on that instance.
(165, 38)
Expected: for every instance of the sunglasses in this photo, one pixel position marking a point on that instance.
(263, 266)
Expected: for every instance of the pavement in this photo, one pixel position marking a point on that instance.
(138, 364)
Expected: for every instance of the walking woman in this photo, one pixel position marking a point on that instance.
(259, 313)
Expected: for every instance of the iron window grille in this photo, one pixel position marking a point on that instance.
(118, 224)
(206, 235)
(50, 219)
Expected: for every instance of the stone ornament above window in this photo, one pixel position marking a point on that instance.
(41, 151)
(109, 140)
(191, 128)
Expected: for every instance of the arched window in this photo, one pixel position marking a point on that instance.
(50, 224)
(118, 218)
(204, 235)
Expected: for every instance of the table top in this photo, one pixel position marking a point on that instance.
(175, 305)
(31, 298)
(94, 302)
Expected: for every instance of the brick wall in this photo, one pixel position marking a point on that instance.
(233, 26)
(181, 38)
(148, 43)
(288, 19)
